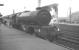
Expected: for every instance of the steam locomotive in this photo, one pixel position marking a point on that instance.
(35, 22)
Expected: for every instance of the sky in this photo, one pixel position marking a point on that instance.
(21, 5)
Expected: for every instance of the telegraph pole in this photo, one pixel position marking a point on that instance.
(70, 15)
(39, 3)
(70, 12)
(13, 11)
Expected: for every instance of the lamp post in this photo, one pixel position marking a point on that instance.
(1, 4)
(0, 13)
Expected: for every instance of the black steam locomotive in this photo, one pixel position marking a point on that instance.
(35, 22)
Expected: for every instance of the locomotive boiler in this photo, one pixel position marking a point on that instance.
(39, 17)
(31, 18)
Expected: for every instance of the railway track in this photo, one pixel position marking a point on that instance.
(68, 40)
(66, 44)
(70, 36)
(61, 44)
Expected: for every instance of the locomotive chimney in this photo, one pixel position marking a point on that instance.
(38, 8)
